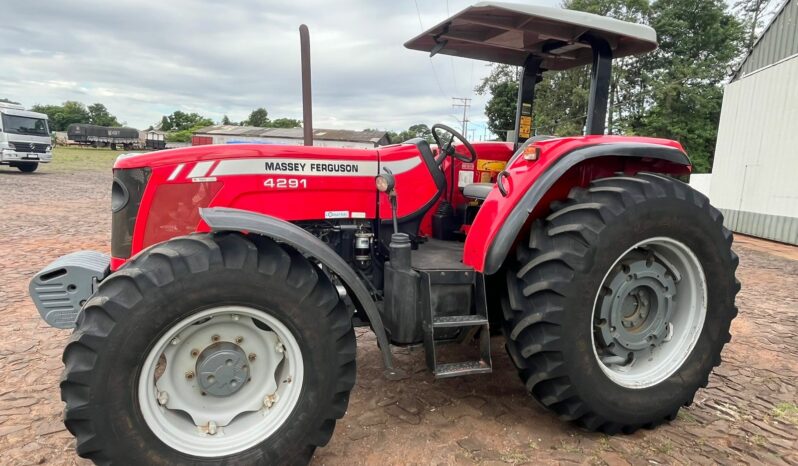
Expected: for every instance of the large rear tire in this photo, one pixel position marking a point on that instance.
(620, 304)
(209, 349)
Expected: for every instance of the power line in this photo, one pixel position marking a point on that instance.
(432, 65)
(464, 102)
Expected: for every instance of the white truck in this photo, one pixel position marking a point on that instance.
(24, 138)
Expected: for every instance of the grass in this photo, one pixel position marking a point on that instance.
(80, 159)
(786, 412)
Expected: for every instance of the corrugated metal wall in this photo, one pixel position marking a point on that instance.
(779, 41)
(755, 173)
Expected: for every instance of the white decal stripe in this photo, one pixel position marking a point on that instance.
(401, 166)
(200, 169)
(176, 172)
(309, 167)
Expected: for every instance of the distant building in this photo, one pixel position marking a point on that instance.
(229, 134)
(753, 179)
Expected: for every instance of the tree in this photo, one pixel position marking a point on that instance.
(419, 130)
(181, 121)
(61, 116)
(259, 117)
(8, 101)
(285, 123)
(699, 42)
(99, 115)
(226, 120)
(750, 14)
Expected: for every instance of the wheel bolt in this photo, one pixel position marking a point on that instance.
(239, 340)
(190, 375)
(252, 356)
(215, 338)
(194, 353)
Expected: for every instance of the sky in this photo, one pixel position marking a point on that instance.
(144, 59)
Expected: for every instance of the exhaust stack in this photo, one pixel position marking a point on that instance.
(307, 104)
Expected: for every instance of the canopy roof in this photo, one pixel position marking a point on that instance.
(509, 32)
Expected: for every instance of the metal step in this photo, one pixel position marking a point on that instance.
(456, 369)
(459, 321)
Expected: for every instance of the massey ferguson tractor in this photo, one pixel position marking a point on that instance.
(220, 328)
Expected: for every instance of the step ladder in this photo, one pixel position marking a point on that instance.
(439, 318)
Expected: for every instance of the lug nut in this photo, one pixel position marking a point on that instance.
(194, 353)
(190, 375)
(215, 338)
(239, 340)
(252, 356)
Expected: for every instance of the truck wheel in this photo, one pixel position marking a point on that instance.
(209, 349)
(621, 303)
(27, 167)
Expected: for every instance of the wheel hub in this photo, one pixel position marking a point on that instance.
(636, 309)
(222, 369)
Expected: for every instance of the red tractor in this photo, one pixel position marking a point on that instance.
(220, 329)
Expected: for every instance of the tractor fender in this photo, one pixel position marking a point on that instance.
(227, 219)
(500, 246)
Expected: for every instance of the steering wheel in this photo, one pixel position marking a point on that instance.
(447, 149)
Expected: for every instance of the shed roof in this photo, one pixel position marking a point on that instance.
(509, 32)
(777, 41)
(294, 133)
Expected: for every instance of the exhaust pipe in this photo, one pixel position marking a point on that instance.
(307, 104)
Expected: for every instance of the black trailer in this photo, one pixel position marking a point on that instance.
(103, 136)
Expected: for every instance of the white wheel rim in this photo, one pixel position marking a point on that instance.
(682, 311)
(215, 426)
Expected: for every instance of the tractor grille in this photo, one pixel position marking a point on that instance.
(30, 147)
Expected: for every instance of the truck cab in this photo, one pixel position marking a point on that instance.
(24, 138)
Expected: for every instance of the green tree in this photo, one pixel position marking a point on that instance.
(8, 101)
(259, 117)
(226, 120)
(285, 123)
(99, 115)
(181, 121)
(699, 42)
(419, 130)
(61, 116)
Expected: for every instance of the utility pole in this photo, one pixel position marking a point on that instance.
(464, 102)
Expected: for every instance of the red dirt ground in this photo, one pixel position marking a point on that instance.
(747, 415)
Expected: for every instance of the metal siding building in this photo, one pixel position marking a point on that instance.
(755, 173)
(777, 42)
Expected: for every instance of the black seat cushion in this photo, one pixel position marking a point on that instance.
(478, 190)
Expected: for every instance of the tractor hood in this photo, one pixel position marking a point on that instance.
(225, 151)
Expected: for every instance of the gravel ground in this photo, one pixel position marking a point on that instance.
(747, 415)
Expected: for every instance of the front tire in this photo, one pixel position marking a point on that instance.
(621, 302)
(209, 349)
(27, 167)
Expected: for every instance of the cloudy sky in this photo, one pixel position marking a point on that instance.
(144, 59)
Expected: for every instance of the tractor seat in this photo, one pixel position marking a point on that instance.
(478, 190)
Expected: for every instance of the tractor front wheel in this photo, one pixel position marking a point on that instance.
(209, 349)
(621, 302)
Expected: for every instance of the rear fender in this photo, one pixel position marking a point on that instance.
(226, 219)
(561, 165)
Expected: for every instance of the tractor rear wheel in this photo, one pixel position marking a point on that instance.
(209, 349)
(621, 302)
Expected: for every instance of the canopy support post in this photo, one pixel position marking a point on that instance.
(600, 76)
(530, 76)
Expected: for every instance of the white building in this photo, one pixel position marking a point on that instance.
(754, 178)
